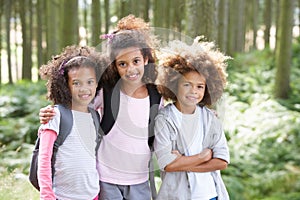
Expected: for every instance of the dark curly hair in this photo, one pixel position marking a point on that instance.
(131, 32)
(56, 71)
(179, 58)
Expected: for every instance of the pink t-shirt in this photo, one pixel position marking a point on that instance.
(124, 153)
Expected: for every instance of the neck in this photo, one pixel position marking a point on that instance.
(185, 109)
(136, 91)
(80, 109)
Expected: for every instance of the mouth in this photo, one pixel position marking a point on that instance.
(133, 76)
(192, 98)
(85, 96)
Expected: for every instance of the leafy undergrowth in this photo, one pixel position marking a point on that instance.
(263, 133)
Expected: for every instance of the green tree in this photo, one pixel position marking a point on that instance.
(267, 21)
(203, 22)
(70, 29)
(284, 49)
(223, 24)
(27, 24)
(107, 15)
(39, 32)
(96, 22)
(8, 7)
(52, 27)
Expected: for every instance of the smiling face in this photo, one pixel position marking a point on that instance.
(82, 83)
(191, 88)
(130, 64)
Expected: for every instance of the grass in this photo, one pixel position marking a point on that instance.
(15, 186)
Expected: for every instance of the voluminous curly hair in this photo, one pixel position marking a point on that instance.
(178, 58)
(56, 71)
(131, 32)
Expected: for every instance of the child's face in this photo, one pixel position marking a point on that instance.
(191, 88)
(82, 83)
(130, 64)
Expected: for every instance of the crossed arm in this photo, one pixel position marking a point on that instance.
(201, 162)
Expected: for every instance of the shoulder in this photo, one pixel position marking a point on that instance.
(165, 111)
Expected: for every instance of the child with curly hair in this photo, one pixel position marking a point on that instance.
(190, 144)
(72, 81)
(129, 102)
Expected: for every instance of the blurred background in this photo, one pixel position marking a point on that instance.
(260, 109)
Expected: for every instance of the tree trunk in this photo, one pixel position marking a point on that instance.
(240, 27)
(96, 22)
(223, 24)
(202, 23)
(26, 22)
(124, 8)
(53, 27)
(107, 16)
(232, 32)
(16, 24)
(267, 21)
(85, 19)
(40, 24)
(145, 10)
(278, 10)
(284, 51)
(70, 30)
(254, 14)
(8, 6)
(1, 14)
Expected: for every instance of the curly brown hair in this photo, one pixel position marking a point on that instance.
(178, 58)
(56, 71)
(131, 32)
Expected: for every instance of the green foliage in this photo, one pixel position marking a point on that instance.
(263, 132)
(19, 121)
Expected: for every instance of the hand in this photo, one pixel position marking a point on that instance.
(176, 153)
(46, 114)
(206, 155)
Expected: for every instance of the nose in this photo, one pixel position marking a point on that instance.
(131, 66)
(84, 87)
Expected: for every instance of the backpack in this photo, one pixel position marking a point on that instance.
(65, 126)
(111, 98)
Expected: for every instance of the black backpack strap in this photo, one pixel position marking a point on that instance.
(65, 127)
(111, 98)
(155, 99)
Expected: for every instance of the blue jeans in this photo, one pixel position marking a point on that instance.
(215, 198)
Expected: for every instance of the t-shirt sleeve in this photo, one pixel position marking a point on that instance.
(220, 146)
(53, 124)
(98, 103)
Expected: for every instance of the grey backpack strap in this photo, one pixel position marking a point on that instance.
(96, 119)
(65, 127)
(152, 177)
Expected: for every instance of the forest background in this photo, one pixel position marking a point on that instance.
(260, 109)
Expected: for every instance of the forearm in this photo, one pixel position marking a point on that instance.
(183, 163)
(209, 166)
